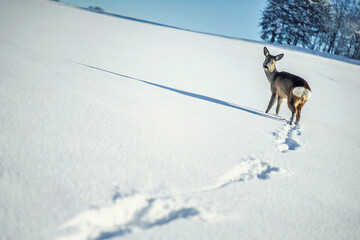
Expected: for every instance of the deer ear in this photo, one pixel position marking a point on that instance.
(278, 57)
(266, 52)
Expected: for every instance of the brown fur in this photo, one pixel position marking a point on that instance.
(282, 85)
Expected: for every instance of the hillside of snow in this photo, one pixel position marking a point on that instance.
(118, 129)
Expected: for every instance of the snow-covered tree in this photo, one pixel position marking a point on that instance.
(271, 21)
(323, 25)
(354, 22)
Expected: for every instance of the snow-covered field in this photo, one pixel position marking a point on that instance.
(111, 128)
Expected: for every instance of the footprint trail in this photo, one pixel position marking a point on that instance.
(134, 211)
(287, 138)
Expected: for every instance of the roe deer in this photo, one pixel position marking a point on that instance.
(285, 85)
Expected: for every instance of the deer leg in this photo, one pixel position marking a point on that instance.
(271, 103)
(279, 102)
(298, 114)
(292, 109)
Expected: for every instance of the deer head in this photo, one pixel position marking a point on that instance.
(270, 61)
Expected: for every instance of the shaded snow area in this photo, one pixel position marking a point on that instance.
(119, 129)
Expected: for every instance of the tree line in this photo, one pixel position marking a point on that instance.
(331, 26)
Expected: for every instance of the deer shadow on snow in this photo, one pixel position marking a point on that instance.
(193, 95)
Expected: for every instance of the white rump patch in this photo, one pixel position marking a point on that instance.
(300, 91)
(307, 94)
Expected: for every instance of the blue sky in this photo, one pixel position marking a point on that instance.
(234, 18)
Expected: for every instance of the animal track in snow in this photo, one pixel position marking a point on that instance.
(287, 138)
(126, 215)
(131, 212)
(247, 170)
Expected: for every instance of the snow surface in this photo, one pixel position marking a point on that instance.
(112, 128)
